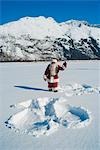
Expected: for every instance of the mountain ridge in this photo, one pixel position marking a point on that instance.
(50, 18)
(41, 38)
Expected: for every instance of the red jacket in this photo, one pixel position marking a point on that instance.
(47, 71)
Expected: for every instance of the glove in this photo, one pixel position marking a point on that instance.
(44, 77)
(65, 64)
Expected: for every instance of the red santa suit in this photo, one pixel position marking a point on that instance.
(51, 74)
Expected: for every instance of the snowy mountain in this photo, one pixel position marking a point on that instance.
(41, 38)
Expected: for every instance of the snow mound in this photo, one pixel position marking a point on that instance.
(78, 89)
(43, 116)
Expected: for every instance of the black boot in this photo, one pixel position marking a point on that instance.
(55, 90)
(50, 89)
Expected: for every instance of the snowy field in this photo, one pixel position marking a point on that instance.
(34, 119)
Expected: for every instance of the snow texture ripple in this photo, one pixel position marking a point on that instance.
(43, 116)
(78, 89)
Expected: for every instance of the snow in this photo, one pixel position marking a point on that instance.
(40, 38)
(38, 27)
(37, 119)
(60, 121)
(41, 27)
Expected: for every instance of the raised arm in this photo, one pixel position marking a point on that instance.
(63, 66)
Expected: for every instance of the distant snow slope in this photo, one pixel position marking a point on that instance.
(41, 38)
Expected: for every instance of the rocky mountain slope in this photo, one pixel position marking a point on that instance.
(40, 38)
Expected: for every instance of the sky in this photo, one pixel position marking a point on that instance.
(60, 10)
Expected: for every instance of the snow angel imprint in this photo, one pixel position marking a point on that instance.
(51, 74)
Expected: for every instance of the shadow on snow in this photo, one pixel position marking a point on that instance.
(30, 88)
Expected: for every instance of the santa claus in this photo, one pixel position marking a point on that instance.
(51, 74)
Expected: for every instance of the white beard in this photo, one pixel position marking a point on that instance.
(53, 69)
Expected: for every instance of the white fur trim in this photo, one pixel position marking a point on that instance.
(56, 80)
(63, 67)
(56, 88)
(44, 77)
(52, 80)
(54, 60)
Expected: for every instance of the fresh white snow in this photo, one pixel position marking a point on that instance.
(41, 38)
(41, 27)
(39, 118)
(67, 120)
